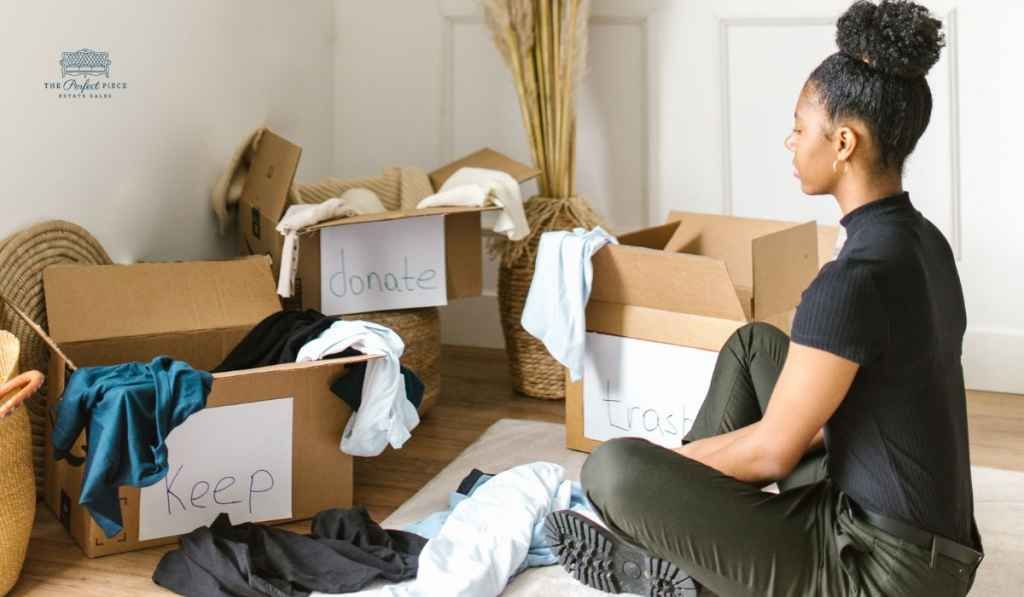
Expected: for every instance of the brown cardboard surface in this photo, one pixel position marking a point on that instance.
(655, 237)
(485, 158)
(463, 255)
(91, 302)
(667, 281)
(397, 214)
(827, 236)
(321, 474)
(681, 329)
(727, 238)
(196, 312)
(692, 282)
(265, 195)
(784, 264)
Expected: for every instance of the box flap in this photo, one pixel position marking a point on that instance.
(655, 237)
(396, 214)
(785, 262)
(271, 175)
(667, 281)
(93, 302)
(722, 237)
(485, 158)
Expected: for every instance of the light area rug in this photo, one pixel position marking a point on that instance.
(998, 497)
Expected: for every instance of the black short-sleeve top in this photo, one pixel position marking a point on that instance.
(892, 302)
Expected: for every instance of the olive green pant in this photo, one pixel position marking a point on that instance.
(737, 540)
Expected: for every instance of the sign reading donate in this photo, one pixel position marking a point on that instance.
(234, 459)
(373, 266)
(637, 388)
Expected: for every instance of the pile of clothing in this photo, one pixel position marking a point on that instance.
(491, 532)
(383, 394)
(344, 552)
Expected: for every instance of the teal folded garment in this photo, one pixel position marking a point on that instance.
(127, 412)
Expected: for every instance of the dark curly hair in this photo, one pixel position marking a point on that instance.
(878, 74)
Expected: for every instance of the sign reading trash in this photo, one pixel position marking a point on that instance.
(375, 266)
(250, 478)
(638, 388)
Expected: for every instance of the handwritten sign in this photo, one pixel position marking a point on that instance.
(234, 459)
(637, 388)
(395, 264)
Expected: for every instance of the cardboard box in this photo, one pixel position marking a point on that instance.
(662, 305)
(197, 312)
(264, 201)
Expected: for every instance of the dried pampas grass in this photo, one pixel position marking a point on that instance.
(544, 45)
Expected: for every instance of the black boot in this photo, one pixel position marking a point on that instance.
(598, 559)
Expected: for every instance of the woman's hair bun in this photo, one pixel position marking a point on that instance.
(898, 37)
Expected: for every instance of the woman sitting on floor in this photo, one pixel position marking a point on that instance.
(860, 419)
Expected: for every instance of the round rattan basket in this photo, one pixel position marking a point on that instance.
(23, 257)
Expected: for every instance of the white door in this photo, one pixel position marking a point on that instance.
(729, 72)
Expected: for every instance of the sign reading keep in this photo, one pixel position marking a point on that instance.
(235, 459)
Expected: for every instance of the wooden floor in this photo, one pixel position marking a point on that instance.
(476, 393)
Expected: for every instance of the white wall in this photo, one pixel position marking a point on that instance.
(363, 84)
(700, 95)
(136, 169)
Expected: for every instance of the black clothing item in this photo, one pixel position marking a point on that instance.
(343, 553)
(733, 538)
(350, 387)
(892, 302)
(279, 338)
(469, 481)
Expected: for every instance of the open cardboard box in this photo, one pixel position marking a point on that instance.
(265, 198)
(691, 282)
(196, 312)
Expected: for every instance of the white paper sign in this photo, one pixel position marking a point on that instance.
(235, 459)
(396, 264)
(637, 388)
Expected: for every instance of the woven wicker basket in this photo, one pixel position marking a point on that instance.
(17, 482)
(534, 372)
(23, 257)
(420, 330)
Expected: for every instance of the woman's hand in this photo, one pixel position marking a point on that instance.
(25, 384)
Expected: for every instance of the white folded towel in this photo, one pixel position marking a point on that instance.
(478, 187)
(353, 202)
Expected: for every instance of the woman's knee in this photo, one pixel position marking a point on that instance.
(760, 330)
(611, 470)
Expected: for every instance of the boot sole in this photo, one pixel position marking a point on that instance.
(598, 559)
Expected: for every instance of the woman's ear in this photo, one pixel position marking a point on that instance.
(845, 140)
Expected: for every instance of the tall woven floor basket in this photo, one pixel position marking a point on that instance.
(17, 483)
(534, 372)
